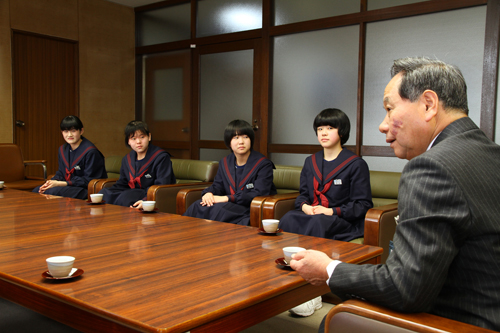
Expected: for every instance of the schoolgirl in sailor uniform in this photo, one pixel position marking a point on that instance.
(335, 191)
(79, 162)
(144, 166)
(242, 175)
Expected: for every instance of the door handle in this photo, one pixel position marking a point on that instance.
(20, 123)
(255, 126)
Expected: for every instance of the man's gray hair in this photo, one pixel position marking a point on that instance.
(421, 73)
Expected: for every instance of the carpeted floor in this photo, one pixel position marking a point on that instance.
(17, 319)
(287, 323)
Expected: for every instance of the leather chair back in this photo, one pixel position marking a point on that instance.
(113, 165)
(287, 178)
(194, 171)
(11, 163)
(384, 187)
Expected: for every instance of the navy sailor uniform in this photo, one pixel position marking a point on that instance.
(241, 185)
(137, 176)
(343, 185)
(77, 167)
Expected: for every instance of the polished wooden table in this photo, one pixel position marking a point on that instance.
(149, 272)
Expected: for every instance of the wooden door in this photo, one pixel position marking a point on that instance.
(45, 80)
(227, 86)
(167, 103)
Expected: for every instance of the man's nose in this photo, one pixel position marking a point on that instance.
(384, 125)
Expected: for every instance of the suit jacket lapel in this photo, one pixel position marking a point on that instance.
(458, 126)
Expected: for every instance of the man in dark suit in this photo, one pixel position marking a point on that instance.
(446, 257)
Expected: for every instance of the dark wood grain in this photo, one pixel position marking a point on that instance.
(149, 272)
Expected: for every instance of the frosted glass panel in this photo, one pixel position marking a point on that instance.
(313, 71)
(226, 91)
(377, 4)
(168, 94)
(163, 25)
(290, 11)
(288, 159)
(497, 126)
(457, 38)
(377, 163)
(224, 16)
(213, 154)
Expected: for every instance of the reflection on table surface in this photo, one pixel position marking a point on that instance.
(152, 270)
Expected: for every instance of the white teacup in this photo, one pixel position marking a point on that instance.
(1, 184)
(270, 225)
(289, 251)
(148, 205)
(96, 198)
(60, 266)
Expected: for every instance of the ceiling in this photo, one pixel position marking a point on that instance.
(134, 3)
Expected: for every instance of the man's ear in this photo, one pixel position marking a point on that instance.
(431, 102)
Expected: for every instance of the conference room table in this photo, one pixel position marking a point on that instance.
(150, 272)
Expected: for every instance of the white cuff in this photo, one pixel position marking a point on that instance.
(330, 268)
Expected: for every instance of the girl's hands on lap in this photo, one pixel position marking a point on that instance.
(209, 199)
(50, 184)
(308, 209)
(322, 210)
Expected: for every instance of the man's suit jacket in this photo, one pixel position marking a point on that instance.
(446, 257)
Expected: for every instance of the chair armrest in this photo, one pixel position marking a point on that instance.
(38, 162)
(380, 228)
(271, 207)
(103, 183)
(91, 187)
(95, 185)
(359, 316)
(165, 195)
(256, 211)
(186, 197)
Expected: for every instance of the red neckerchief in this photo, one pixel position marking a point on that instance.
(232, 187)
(132, 180)
(69, 171)
(321, 194)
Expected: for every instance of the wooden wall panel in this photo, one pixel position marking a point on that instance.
(107, 73)
(6, 129)
(46, 17)
(105, 34)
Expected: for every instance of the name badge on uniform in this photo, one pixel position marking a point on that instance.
(249, 186)
(337, 181)
(77, 167)
(147, 175)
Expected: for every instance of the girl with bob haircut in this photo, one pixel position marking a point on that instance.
(242, 175)
(335, 191)
(144, 166)
(79, 162)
